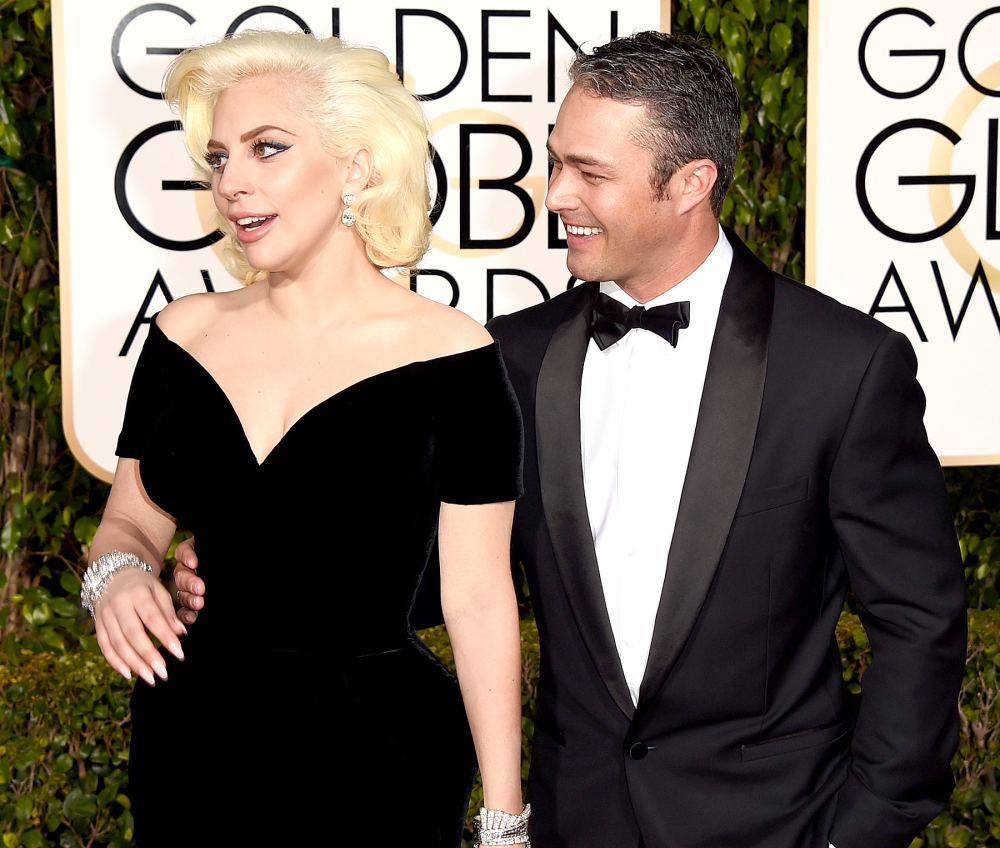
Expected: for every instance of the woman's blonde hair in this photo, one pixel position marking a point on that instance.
(355, 100)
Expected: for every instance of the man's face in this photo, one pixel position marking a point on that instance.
(616, 229)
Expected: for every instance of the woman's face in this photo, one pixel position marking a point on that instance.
(272, 179)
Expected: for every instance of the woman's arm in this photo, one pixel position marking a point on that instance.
(135, 601)
(480, 611)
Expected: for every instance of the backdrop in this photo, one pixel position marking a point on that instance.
(902, 196)
(135, 231)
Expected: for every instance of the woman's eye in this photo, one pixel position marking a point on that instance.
(264, 149)
(215, 160)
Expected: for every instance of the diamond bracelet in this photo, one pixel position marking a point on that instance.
(100, 572)
(498, 827)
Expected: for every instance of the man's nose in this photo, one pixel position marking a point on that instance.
(559, 196)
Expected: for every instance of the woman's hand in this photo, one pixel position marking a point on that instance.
(135, 601)
(133, 605)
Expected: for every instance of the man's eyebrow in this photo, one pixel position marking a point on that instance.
(250, 134)
(578, 159)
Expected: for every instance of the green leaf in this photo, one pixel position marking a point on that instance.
(23, 807)
(770, 91)
(77, 806)
(991, 800)
(780, 39)
(712, 18)
(64, 608)
(10, 538)
(747, 9)
(28, 253)
(84, 529)
(959, 837)
(15, 31)
(18, 67)
(40, 17)
(732, 31)
(10, 231)
(63, 763)
(24, 184)
(738, 65)
(33, 839)
(48, 344)
(697, 8)
(10, 140)
(30, 300)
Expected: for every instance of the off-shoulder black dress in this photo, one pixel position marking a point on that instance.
(307, 712)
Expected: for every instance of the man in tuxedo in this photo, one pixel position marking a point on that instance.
(714, 455)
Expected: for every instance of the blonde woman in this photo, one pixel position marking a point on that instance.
(330, 423)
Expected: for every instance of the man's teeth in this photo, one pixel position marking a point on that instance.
(583, 231)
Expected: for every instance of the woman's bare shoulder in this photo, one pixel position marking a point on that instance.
(441, 330)
(187, 317)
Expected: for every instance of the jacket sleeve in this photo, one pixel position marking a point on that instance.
(897, 539)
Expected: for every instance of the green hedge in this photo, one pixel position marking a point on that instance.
(64, 752)
(64, 742)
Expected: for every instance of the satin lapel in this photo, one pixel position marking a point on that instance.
(720, 457)
(560, 468)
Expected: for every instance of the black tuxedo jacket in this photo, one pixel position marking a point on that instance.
(810, 472)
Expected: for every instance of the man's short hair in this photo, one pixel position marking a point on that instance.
(691, 101)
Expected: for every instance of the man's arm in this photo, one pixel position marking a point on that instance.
(897, 539)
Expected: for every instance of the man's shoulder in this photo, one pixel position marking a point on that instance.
(803, 310)
(531, 328)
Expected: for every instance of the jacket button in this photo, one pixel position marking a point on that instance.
(638, 750)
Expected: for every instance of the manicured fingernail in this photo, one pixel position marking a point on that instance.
(175, 649)
(147, 675)
(124, 672)
(160, 669)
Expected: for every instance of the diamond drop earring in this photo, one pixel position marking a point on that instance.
(348, 217)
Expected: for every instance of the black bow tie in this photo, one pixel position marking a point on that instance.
(611, 320)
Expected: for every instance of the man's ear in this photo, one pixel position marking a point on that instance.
(695, 182)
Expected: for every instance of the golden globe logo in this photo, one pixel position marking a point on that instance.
(968, 123)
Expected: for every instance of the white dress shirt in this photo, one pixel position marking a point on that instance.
(639, 404)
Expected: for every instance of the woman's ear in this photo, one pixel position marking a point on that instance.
(360, 166)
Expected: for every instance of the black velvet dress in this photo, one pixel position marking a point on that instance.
(307, 712)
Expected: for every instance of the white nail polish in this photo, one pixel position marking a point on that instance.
(161, 669)
(148, 677)
(124, 672)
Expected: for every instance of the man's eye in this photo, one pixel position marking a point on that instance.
(594, 178)
(215, 160)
